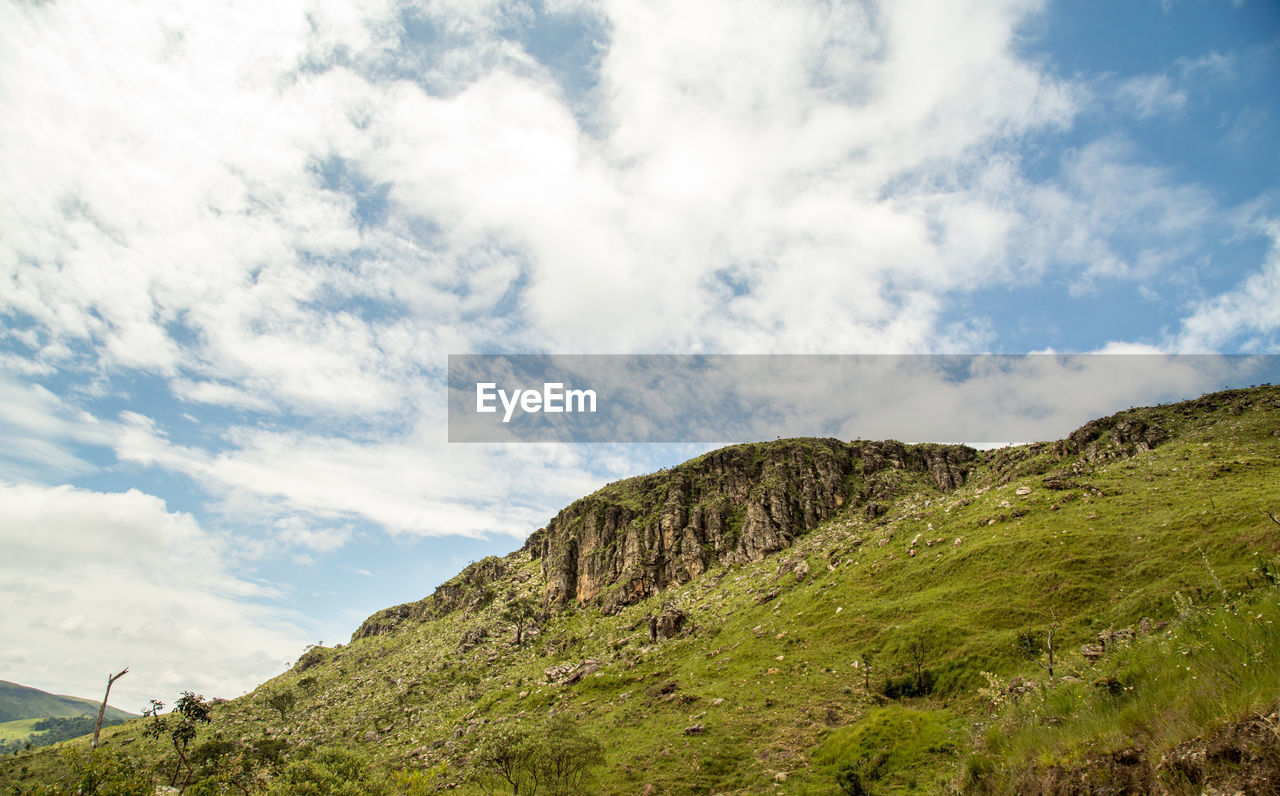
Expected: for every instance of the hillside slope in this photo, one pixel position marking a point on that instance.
(23, 702)
(812, 616)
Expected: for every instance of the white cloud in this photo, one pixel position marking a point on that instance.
(93, 582)
(415, 486)
(1151, 95)
(1248, 313)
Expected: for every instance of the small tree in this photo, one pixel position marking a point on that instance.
(180, 726)
(916, 650)
(520, 612)
(868, 656)
(555, 758)
(566, 757)
(282, 701)
(1029, 644)
(506, 757)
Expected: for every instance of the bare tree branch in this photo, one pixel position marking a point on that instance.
(102, 709)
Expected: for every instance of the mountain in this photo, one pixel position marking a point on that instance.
(1096, 614)
(23, 702)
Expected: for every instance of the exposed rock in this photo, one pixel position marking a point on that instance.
(668, 624)
(1091, 652)
(570, 673)
(696, 729)
(1119, 436)
(472, 637)
(738, 504)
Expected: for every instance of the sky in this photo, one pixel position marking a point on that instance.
(238, 242)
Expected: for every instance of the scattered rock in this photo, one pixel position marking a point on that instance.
(772, 594)
(472, 637)
(668, 624)
(1023, 490)
(781, 776)
(696, 729)
(1092, 652)
(801, 571)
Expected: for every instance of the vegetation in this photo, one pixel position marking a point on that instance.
(914, 656)
(45, 732)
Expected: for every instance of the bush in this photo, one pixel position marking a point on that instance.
(909, 685)
(328, 770)
(554, 758)
(887, 743)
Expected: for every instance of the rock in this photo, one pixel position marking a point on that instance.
(1145, 626)
(801, 571)
(472, 637)
(959, 541)
(570, 673)
(718, 701)
(672, 622)
(1092, 652)
(696, 729)
(772, 594)
(738, 504)
(1022, 490)
(781, 776)
(649, 790)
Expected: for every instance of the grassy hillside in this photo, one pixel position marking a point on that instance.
(16, 730)
(40, 718)
(22, 702)
(895, 652)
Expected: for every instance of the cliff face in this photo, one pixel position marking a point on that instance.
(737, 504)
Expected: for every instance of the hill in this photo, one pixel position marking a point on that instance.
(1095, 614)
(23, 702)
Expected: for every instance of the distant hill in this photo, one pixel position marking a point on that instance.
(23, 702)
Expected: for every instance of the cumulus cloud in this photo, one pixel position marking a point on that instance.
(414, 486)
(98, 581)
(1246, 314)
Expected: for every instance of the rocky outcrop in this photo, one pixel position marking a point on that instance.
(636, 537)
(1116, 437)
(468, 589)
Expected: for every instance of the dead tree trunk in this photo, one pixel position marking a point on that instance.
(102, 709)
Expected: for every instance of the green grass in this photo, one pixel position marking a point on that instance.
(1212, 667)
(773, 685)
(16, 730)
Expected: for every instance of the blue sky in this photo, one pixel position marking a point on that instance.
(237, 245)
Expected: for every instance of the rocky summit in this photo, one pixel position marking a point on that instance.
(1096, 614)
